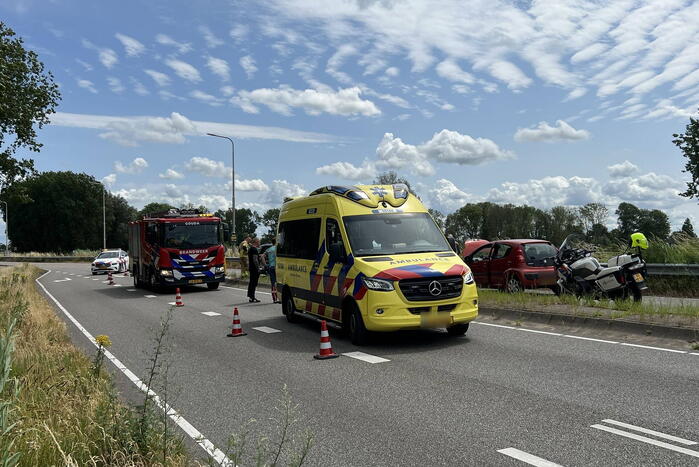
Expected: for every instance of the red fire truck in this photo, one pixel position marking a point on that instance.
(178, 247)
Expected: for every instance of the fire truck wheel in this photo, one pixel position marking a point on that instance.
(212, 285)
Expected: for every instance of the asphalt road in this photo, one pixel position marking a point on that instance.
(494, 397)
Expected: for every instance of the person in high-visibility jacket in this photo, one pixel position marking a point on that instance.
(243, 252)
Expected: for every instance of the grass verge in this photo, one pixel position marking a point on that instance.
(60, 406)
(680, 313)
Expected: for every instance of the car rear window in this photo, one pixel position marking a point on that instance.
(539, 254)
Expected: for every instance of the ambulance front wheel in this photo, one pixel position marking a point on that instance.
(354, 324)
(458, 330)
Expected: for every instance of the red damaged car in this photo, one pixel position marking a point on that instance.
(514, 265)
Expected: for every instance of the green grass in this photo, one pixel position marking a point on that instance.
(684, 251)
(79, 252)
(569, 304)
(65, 410)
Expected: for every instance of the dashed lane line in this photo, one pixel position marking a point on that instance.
(657, 434)
(210, 313)
(581, 337)
(365, 357)
(266, 329)
(244, 290)
(151, 296)
(527, 458)
(130, 290)
(215, 453)
(647, 440)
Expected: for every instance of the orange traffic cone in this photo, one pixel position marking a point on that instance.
(178, 298)
(237, 329)
(274, 295)
(326, 348)
(110, 279)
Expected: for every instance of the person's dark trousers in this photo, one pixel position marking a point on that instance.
(254, 276)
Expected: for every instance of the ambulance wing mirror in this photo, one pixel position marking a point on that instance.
(337, 253)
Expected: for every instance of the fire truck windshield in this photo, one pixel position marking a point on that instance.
(191, 235)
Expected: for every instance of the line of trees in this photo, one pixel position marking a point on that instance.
(494, 221)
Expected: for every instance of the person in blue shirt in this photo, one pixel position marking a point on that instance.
(271, 260)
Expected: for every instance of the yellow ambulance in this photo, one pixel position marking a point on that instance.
(370, 258)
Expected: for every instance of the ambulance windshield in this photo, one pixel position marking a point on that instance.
(399, 233)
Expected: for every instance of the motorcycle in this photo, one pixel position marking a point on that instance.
(581, 274)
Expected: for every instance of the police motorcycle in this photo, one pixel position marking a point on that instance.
(581, 274)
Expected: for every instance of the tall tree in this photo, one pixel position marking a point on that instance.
(688, 142)
(269, 219)
(152, 208)
(628, 218)
(437, 216)
(564, 221)
(593, 213)
(654, 223)
(391, 178)
(28, 96)
(62, 211)
(465, 223)
(688, 228)
(246, 222)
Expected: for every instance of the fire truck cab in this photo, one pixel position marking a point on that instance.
(176, 248)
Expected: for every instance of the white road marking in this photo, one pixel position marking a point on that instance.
(266, 329)
(517, 328)
(130, 290)
(365, 357)
(644, 439)
(657, 434)
(245, 290)
(652, 348)
(63, 280)
(590, 339)
(527, 458)
(95, 279)
(150, 296)
(210, 313)
(117, 285)
(695, 353)
(215, 453)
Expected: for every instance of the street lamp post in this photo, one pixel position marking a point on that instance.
(104, 215)
(232, 184)
(7, 228)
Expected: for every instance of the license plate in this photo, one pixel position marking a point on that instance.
(638, 277)
(438, 320)
(195, 281)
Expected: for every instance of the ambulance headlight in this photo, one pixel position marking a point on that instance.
(166, 272)
(468, 278)
(378, 284)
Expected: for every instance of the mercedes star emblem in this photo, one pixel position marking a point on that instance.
(435, 288)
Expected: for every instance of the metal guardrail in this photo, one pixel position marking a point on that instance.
(654, 269)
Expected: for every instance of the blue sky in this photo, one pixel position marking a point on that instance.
(542, 102)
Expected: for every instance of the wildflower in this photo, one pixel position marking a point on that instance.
(103, 340)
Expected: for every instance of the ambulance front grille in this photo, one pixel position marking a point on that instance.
(418, 290)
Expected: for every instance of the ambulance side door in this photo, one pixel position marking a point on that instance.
(335, 262)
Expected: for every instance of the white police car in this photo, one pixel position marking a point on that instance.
(111, 260)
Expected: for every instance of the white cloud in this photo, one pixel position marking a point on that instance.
(161, 79)
(208, 167)
(445, 146)
(171, 174)
(209, 37)
(314, 102)
(138, 87)
(254, 184)
(130, 131)
(184, 70)
(219, 67)
(336, 61)
(84, 64)
(239, 32)
(281, 189)
(452, 71)
(392, 71)
(182, 47)
(108, 57)
(87, 84)
(348, 171)
(115, 85)
(110, 179)
(136, 166)
(448, 196)
(248, 65)
(205, 98)
(227, 90)
(132, 47)
(548, 192)
(546, 133)
(624, 169)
